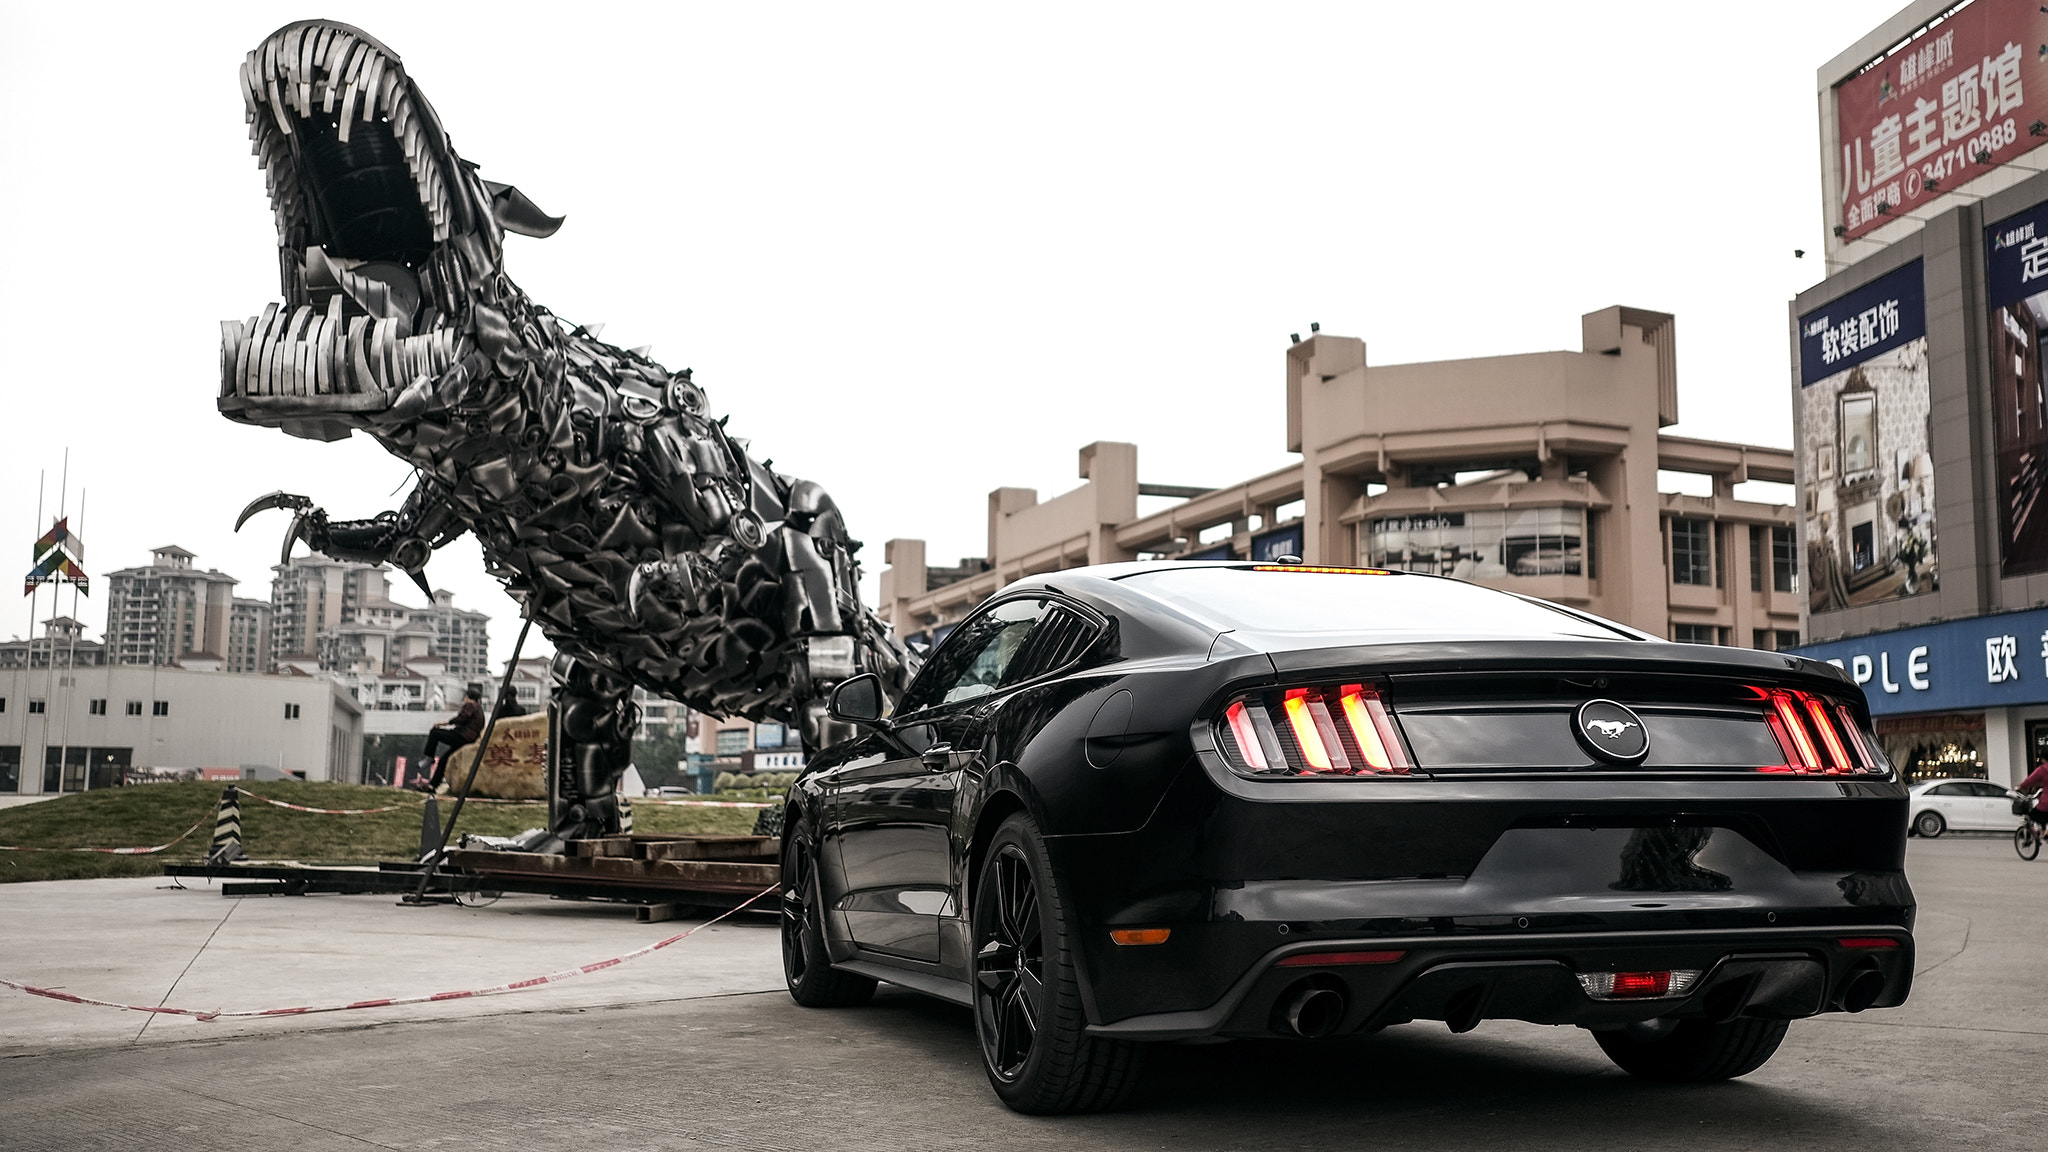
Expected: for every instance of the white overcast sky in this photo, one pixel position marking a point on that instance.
(919, 251)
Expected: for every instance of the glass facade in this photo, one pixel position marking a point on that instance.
(1482, 544)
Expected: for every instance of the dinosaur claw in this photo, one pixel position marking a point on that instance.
(292, 537)
(274, 500)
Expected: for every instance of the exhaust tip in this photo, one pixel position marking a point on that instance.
(1862, 989)
(1311, 1010)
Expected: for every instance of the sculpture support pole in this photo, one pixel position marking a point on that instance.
(475, 762)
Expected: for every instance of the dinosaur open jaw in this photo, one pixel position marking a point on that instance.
(355, 157)
(360, 176)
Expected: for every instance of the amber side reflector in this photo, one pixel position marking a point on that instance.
(1868, 942)
(1140, 935)
(1336, 959)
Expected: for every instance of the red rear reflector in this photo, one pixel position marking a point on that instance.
(1640, 984)
(1140, 935)
(1868, 942)
(1336, 959)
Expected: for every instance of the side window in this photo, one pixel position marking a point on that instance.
(1060, 637)
(1944, 790)
(973, 660)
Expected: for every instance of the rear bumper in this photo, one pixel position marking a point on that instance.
(1783, 973)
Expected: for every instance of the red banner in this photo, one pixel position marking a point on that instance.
(1954, 102)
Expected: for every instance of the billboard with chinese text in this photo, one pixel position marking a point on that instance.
(2016, 293)
(1952, 102)
(1867, 486)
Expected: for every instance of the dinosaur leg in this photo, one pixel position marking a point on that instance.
(592, 722)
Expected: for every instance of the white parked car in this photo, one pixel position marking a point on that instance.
(1937, 806)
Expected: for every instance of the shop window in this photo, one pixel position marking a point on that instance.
(1692, 552)
(1936, 746)
(1488, 544)
(1696, 633)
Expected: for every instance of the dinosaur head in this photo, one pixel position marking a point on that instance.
(387, 239)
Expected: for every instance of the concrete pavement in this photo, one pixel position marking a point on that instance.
(673, 1051)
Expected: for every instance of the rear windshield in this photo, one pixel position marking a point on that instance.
(1395, 603)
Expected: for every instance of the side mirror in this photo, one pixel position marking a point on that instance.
(857, 700)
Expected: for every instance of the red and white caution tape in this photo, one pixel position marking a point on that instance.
(120, 851)
(332, 811)
(394, 1001)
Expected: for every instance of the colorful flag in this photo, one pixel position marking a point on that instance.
(59, 559)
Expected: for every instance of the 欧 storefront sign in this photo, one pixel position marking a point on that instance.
(1948, 106)
(1987, 662)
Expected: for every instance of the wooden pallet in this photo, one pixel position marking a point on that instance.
(728, 865)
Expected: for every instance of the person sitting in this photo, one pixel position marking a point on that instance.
(466, 725)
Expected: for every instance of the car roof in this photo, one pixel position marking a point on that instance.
(1155, 625)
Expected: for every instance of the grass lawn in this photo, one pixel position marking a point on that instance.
(151, 814)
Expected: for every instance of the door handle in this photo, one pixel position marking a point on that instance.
(936, 757)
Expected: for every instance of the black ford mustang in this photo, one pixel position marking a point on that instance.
(1159, 801)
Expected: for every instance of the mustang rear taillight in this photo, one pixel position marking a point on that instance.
(1819, 737)
(1341, 730)
(1638, 985)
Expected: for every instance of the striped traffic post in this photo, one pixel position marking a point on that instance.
(227, 828)
(625, 815)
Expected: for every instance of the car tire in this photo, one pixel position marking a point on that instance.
(1692, 1051)
(1929, 824)
(1028, 1019)
(806, 966)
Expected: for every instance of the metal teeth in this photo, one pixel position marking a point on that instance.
(312, 352)
(324, 70)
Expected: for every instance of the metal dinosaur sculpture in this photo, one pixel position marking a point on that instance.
(640, 536)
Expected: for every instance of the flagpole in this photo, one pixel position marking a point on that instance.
(35, 596)
(51, 684)
(71, 647)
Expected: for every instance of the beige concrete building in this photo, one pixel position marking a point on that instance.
(315, 594)
(1535, 473)
(168, 608)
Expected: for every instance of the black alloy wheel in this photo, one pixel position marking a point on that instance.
(1692, 1051)
(1930, 824)
(1027, 1001)
(806, 967)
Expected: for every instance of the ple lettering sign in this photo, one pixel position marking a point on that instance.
(1946, 107)
(1988, 662)
(1874, 319)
